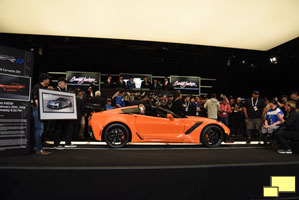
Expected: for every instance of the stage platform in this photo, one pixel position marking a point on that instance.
(175, 171)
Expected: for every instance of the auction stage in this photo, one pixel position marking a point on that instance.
(232, 171)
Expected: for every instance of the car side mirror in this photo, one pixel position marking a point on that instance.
(170, 117)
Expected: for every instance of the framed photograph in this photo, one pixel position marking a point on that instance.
(55, 105)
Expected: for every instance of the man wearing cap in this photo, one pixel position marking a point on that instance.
(169, 102)
(44, 81)
(65, 126)
(254, 109)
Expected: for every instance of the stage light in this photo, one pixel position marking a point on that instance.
(273, 60)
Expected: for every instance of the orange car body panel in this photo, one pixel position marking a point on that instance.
(145, 128)
(14, 87)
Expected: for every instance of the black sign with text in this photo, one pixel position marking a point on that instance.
(15, 111)
(82, 80)
(186, 84)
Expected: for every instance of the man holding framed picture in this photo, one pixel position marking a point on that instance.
(44, 81)
(63, 126)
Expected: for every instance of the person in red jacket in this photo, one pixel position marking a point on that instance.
(224, 111)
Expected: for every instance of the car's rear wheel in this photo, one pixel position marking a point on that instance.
(212, 136)
(116, 135)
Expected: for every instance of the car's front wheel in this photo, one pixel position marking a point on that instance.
(116, 135)
(211, 136)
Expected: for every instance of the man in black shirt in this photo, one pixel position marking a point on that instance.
(254, 110)
(238, 117)
(155, 85)
(79, 124)
(145, 83)
(188, 106)
(166, 85)
(109, 83)
(44, 80)
(97, 99)
(178, 104)
(120, 83)
(65, 126)
(289, 130)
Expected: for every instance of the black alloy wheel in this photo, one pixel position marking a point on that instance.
(212, 136)
(116, 135)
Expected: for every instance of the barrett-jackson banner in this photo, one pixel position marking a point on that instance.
(186, 84)
(15, 111)
(82, 80)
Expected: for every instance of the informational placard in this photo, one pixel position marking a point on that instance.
(186, 84)
(83, 80)
(15, 111)
(55, 105)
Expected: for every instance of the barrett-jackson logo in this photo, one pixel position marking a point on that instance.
(184, 84)
(82, 79)
(11, 59)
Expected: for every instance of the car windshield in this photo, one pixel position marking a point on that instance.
(161, 110)
(154, 111)
(61, 99)
(134, 110)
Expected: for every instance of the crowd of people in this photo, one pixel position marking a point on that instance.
(245, 117)
(130, 84)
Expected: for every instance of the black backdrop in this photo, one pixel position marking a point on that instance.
(246, 70)
(15, 111)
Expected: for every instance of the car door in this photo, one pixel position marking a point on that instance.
(160, 129)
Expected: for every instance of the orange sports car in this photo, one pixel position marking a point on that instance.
(13, 87)
(119, 126)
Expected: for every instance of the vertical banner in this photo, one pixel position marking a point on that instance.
(83, 80)
(15, 112)
(186, 84)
